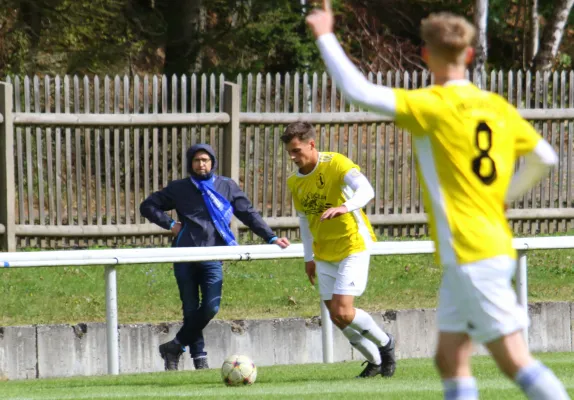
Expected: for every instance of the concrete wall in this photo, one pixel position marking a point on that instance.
(63, 350)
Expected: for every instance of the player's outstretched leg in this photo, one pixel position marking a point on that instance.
(366, 325)
(534, 378)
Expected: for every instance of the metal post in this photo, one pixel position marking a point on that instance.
(326, 334)
(522, 285)
(7, 182)
(112, 321)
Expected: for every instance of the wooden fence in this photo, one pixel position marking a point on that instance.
(87, 151)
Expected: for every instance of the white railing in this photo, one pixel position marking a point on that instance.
(111, 258)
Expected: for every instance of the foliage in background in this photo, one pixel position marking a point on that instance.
(232, 36)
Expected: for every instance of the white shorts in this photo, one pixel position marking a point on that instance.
(348, 277)
(478, 299)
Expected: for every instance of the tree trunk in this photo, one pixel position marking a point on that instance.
(533, 38)
(480, 21)
(552, 35)
(183, 44)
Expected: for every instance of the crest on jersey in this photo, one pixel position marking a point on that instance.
(320, 181)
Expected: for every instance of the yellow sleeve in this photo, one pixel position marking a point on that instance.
(342, 166)
(413, 108)
(526, 138)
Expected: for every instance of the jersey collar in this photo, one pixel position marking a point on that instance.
(457, 82)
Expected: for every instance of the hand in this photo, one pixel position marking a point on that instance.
(334, 212)
(310, 271)
(176, 228)
(321, 22)
(282, 242)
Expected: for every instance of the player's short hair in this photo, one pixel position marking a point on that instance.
(447, 35)
(300, 130)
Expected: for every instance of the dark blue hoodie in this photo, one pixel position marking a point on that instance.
(198, 229)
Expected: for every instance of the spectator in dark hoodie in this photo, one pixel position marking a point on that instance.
(204, 203)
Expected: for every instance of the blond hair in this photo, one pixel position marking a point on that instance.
(447, 35)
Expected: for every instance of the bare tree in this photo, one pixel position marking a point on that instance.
(481, 23)
(552, 35)
(533, 38)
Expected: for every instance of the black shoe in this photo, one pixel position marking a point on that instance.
(171, 352)
(388, 361)
(370, 370)
(200, 363)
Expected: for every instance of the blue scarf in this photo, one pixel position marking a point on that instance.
(218, 207)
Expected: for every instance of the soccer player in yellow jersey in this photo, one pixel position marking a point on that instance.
(466, 143)
(329, 192)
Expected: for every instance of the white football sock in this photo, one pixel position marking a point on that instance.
(367, 348)
(366, 325)
(539, 383)
(460, 388)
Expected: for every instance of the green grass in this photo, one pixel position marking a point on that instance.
(255, 289)
(414, 379)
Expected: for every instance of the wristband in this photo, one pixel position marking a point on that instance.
(274, 238)
(172, 224)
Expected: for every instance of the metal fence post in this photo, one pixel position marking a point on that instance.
(326, 334)
(522, 285)
(231, 139)
(7, 181)
(112, 321)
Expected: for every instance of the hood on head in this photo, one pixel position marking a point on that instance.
(201, 147)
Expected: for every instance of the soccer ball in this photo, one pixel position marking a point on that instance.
(238, 370)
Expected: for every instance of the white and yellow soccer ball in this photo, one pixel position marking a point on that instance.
(238, 370)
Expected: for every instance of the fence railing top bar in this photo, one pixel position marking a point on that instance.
(314, 118)
(21, 118)
(120, 119)
(239, 253)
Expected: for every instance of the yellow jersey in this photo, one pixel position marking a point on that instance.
(466, 143)
(323, 188)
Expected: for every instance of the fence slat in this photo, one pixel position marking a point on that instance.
(58, 154)
(184, 132)
(266, 150)
(20, 155)
(164, 132)
(256, 144)
(174, 133)
(39, 157)
(107, 154)
(29, 165)
(155, 136)
(117, 160)
(98, 155)
(49, 158)
(127, 155)
(146, 142)
(137, 154)
(276, 149)
(88, 154)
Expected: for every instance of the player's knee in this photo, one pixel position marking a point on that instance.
(341, 316)
(211, 311)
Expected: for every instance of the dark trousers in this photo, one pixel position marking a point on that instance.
(192, 278)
